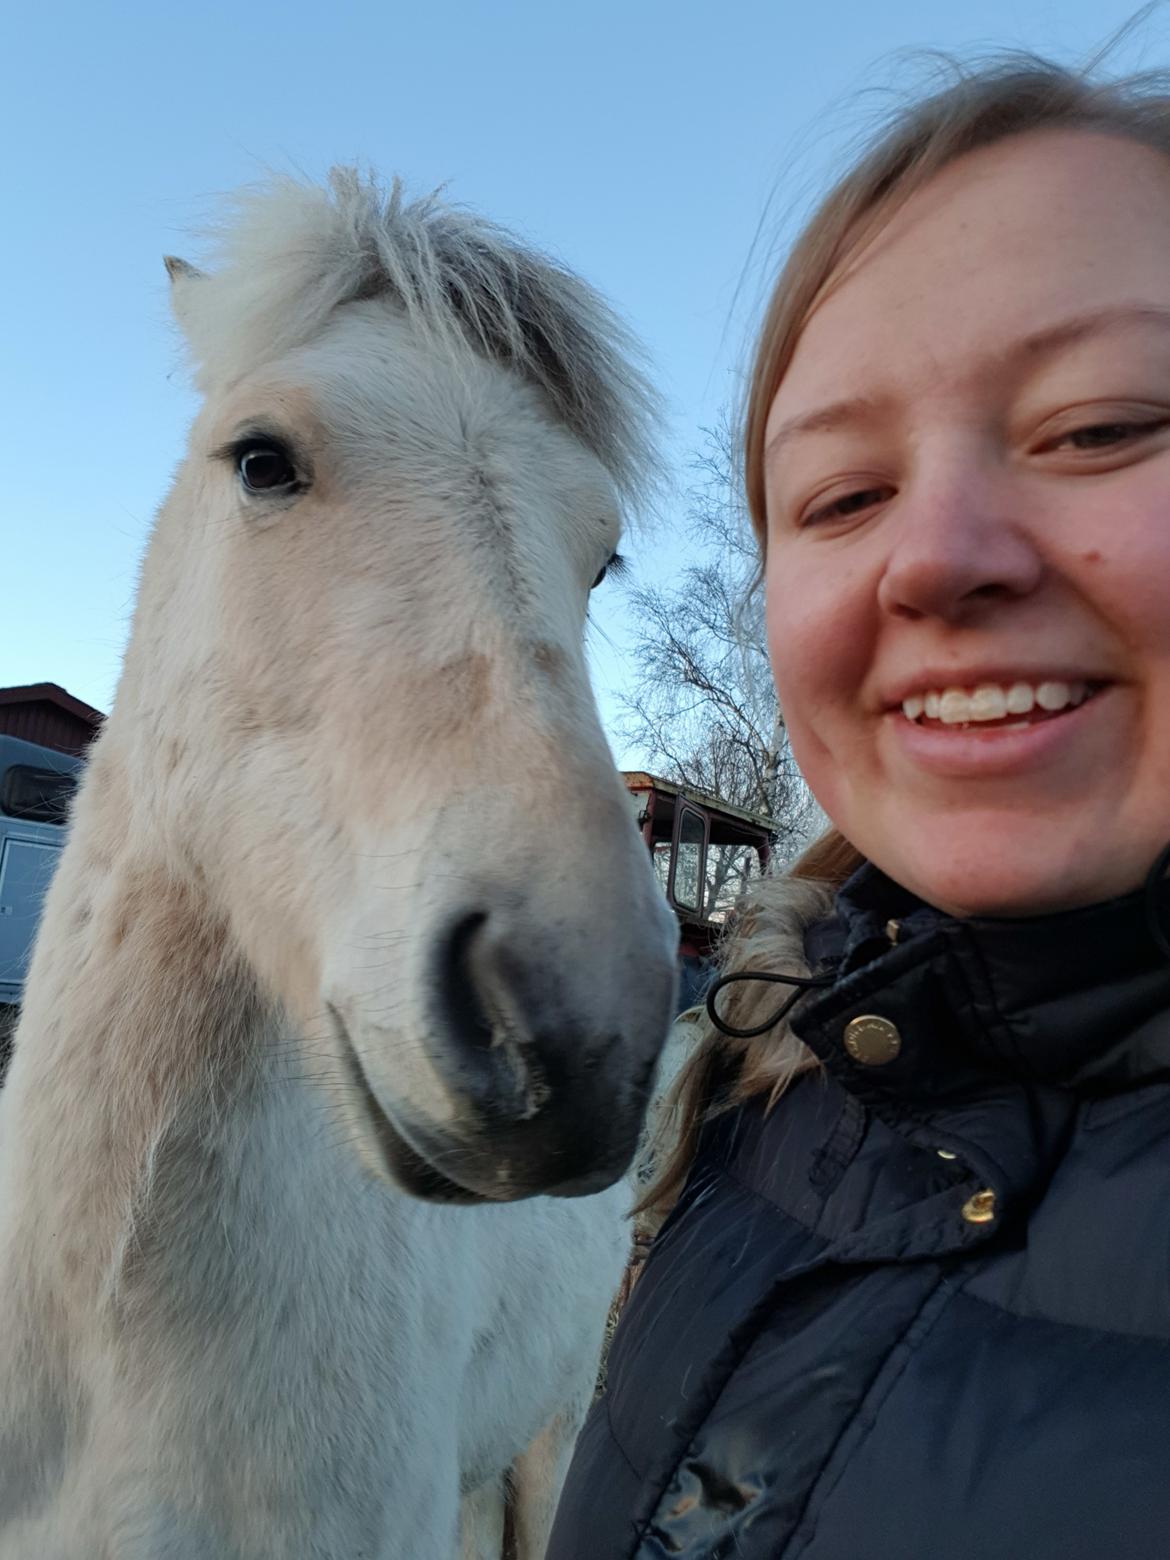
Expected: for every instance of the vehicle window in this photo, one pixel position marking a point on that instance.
(661, 860)
(688, 865)
(39, 795)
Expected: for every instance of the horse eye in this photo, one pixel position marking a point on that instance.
(614, 564)
(266, 468)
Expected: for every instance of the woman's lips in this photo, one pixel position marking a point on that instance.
(1008, 746)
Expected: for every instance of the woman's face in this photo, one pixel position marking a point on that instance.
(968, 569)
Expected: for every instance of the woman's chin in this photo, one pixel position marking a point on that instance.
(1014, 873)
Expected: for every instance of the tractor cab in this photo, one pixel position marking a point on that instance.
(705, 852)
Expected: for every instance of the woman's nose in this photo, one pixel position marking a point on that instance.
(960, 542)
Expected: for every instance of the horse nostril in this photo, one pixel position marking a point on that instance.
(546, 1089)
(459, 991)
(489, 1062)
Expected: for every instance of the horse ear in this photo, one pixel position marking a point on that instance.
(185, 278)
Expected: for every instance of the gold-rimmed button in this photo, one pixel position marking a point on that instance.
(872, 1040)
(980, 1209)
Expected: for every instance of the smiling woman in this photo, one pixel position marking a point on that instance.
(929, 1281)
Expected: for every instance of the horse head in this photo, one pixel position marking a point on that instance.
(358, 684)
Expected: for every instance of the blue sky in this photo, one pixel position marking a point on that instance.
(643, 142)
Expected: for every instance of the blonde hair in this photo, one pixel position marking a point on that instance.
(1014, 95)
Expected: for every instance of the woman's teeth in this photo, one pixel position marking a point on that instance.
(992, 701)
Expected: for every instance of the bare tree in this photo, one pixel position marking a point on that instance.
(704, 708)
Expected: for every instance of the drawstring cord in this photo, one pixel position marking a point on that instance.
(805, 983)
(802, 983)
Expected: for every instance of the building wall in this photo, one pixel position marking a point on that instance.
(47, 723)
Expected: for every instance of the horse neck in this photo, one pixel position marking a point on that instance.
(137, 1009)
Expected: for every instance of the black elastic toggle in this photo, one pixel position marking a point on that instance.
(802, 983)
(1153, 917)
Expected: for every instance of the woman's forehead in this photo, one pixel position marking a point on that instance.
(1003, 248)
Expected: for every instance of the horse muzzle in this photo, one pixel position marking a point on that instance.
(547, 1071)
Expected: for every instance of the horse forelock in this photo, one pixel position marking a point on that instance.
(290, 253)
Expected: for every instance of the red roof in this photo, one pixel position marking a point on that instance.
(35, 693)
(45, 714)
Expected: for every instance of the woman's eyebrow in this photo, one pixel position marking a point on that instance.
(826, 419)
(1037, 345)
(1065, 333)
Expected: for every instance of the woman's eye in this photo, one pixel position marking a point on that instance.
(1107, 435)
(847, 505)
(266, 468)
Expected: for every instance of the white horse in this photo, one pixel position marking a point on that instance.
(352, 925)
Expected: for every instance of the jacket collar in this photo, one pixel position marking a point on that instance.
(1079, 1000)
(1002, 1027)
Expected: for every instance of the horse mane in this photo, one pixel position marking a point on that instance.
(290, 253)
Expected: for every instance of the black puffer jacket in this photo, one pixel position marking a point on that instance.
(922, 1308)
